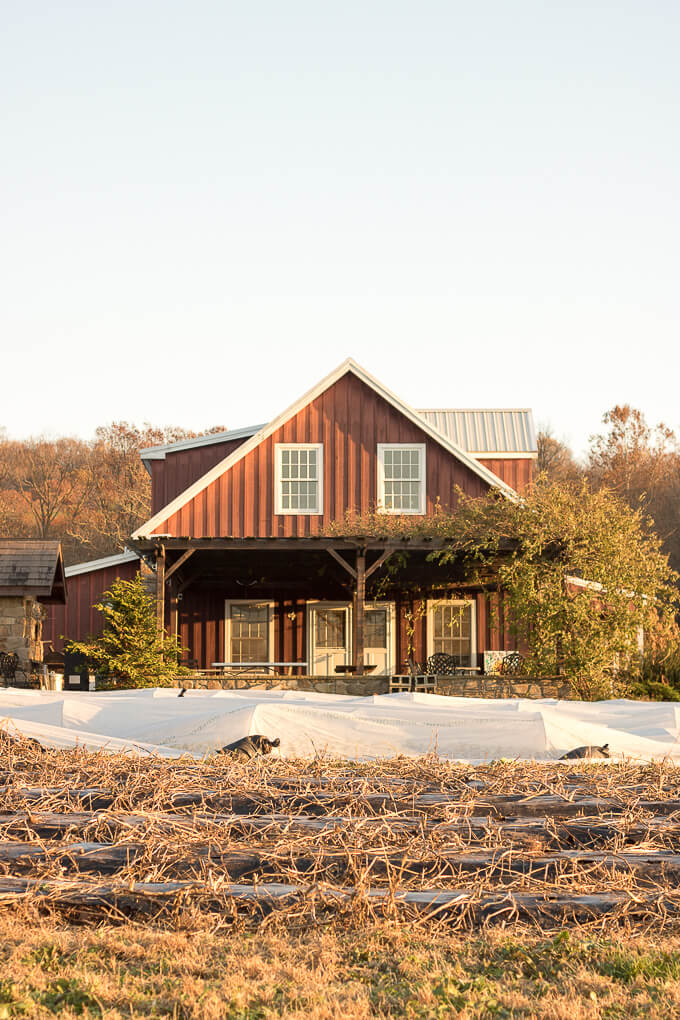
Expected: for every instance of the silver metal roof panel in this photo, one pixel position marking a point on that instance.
(484, 432)
(159, 452)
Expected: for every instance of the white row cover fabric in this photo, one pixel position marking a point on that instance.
(465, 729)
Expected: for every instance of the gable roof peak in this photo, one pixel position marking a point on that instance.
(348, 365)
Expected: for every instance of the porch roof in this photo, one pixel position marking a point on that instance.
(308, 566)
(319, 542)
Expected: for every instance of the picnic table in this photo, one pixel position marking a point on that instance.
(239, 668)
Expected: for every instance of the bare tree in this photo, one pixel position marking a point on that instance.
(641, 464)
(90, 495)
(555, 460)
(118, 486)
(49, 477)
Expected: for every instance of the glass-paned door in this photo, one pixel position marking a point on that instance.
(248, 631)
(329, 628)
(378, 632)
(451, 630)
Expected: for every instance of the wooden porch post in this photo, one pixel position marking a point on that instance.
(174, 609)
(359, 612)
(160, 590)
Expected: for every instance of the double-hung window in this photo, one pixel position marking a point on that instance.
(401, 478)
(250, 631)
(451, 630)
(299, 478)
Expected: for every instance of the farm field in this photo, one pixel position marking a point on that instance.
(408, 887)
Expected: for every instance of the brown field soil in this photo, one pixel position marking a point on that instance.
(135, 887)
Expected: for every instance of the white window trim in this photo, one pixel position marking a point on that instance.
(278, 448)
(432, 604)
(227, 625)
(421, 447)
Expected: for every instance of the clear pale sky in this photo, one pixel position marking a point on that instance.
(207, 206)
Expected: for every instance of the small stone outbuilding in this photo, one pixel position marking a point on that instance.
(31, 575)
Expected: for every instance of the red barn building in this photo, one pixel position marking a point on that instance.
(246, 534)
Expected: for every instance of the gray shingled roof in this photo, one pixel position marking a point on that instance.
(486, 431)
(31, 567)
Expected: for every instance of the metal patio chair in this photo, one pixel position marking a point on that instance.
(442, 664)
(9, 663)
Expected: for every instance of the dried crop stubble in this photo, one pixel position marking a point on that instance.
(296, 843)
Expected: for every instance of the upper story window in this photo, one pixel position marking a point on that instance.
(401, 478)
(299, 478)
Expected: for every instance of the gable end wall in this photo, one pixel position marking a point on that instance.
(174, 474)
(350, 419)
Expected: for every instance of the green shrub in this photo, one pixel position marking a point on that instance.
(131, 648)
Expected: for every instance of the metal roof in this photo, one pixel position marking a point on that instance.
(159, 452)
(486, 431)
(101, 564)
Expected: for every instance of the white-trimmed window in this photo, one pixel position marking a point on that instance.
(299, 478)
(249, 631)
(452, 629)
(401, 478)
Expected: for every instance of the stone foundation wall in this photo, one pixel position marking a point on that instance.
(364, 686)
(504, 687)
(359, 686)
(21, 628)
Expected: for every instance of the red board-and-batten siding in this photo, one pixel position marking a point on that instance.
(350, 419)
(517, 472)
(201, 629)
(78, 618)
(171, 476)
(201, 621)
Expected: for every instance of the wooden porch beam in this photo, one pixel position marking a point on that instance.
(189, 580)
(183, 558)
(378, 563)
(146, 545)
(342, 561)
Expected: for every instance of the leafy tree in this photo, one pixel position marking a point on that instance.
(583, 573)
(130, 647)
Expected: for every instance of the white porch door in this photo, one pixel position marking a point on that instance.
(379, 637)
(330, 630)
(330, 637)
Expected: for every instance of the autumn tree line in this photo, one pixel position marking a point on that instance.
(637, 462)
(93, 494)
(89, 494)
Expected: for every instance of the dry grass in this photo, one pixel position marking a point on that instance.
(139, 887)
(385, 970)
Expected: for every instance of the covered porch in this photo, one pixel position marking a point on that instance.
(321, 607)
